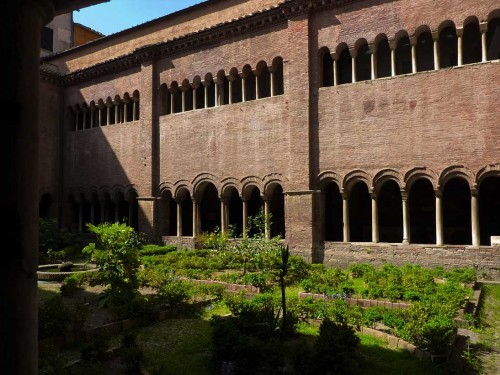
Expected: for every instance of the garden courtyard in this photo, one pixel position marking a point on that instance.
(248, 306)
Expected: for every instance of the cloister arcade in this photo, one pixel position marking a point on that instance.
(424, 50)
(105, 112)
(189, 213)
(222, 89)
(418, 208)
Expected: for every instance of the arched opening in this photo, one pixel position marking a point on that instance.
(448, 48)
(176, 97)
(493, 39)
(333, 212)
(422, 207)
(249, 83)
(72, 214)
(254, 208)
(136, 100)
(133, 210)
(200, 96)
(209, 208)
(168, 214)
(235, 212)
(403, 56)
(223, 91)
(425, 52)
(390, 212)
(86, 213)
(457, 212)
(96, 209)
(326, 70)
(278, 79)
(471, 43)
(489, 209)
(383, 59)
(164, 100)
(263, 80)
(360, 213)
(363, 63)
(236, 86)
(187, 91)
(45, 206)
(277, 210)
(210, 90)
(186, 212)
(122, 208)
(344, 67)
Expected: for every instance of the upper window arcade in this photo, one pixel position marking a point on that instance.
(426, 50)
(222, 89)
(105, 112)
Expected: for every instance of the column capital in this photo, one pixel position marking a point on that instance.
(373, 195)
(373, 48)
(474, 192)
(483, 26)
(413, 40)
(435, 35)
(334, 56)
(460, 31)
(393, 44)
(404, 194)
(353, 52)
(438, 193)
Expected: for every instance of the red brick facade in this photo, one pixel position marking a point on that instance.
(438, 125)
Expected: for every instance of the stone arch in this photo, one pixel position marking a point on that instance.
(471, 41)
(326, 71)
(420, 172)
(344, 64)
(381, 43)
(456, 171)
(181, 185)
(324, 178)
(363, 60)
(274, 193)
(351, 178)
(274, 178)
(227, 184)
(236, 85)
(402, 45)
(263, 80)
(489, 170)
(203, 178)
(223, 84)
(248, 182)
(448, 50)
(384, 175)
(278, 76)
(495, 13)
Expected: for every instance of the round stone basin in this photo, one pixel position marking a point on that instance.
(50, 272)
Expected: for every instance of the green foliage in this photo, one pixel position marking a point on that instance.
(96, 349)
(332, 282)
(131, 353)
(216, 240)
(61, 243)
(333, 350)
(117, 257)
(153, 249)
(54, 318)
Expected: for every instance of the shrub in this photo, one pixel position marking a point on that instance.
(53, 317)
(334, 348)
(152, 249)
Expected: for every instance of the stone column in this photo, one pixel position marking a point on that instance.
(230, 93)
(183, 100)
(413, 43)
(373, 57)
(76, 120)
(474, 218)
(439, 220)
(271, 82)
(195, 218)
(393, 46)
(406, 218)
(223, 215)
(256, 87)
(100, 116)
(245, 216)
(130, 213)
(345, 217)
(108, 114)
(243, 96)
(483, 27)
(435, 38)
(125, 116)
(91, 118)
(134, 110)
(460, 32)
(374, 218)
(335, 74)
(194, 98)
(353, 53)
(84, 119)
(216, 94)
(205, 90)
(117, 115)
(179, 217)
(266, 216)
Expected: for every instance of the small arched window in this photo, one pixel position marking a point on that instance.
(403, 56)
(363, 63)
(425, 52)
(278, 78)
(448, 47)
(471, 43)
(344, 67)
(383, 58)
(326, 71)
(493, 39)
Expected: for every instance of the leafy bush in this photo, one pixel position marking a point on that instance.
(117, 257)
(152, 249)
(60, 242)
(54, 318)
(334, 348)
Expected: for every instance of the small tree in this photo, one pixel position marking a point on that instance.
(117, 257)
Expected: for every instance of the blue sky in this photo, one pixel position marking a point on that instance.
(118, 15)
